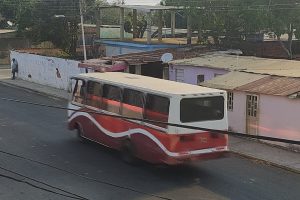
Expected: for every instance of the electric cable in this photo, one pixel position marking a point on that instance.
(75, 196)
(160, 122)
(83, 176)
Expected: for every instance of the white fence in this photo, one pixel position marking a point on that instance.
(51, 71)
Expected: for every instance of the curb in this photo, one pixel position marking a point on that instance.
(249, 156)
(31, 90)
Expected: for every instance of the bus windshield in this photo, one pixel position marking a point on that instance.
(201, 109)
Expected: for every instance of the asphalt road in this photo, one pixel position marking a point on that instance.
(41, 159)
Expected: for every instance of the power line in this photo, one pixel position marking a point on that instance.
(85, 177)
(70, 195)
(160, 122)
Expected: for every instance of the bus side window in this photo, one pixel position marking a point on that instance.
(157, 109)
(133, 104)
(94, 92)
(79, 92)
(111, 98)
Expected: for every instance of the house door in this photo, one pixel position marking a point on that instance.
(252, 114)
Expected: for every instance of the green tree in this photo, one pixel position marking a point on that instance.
(284, 18)
(238, 18)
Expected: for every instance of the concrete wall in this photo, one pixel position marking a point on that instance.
(190, 73)
(54, 72)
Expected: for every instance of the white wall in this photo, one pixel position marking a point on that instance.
(42, 69)
(237, 117)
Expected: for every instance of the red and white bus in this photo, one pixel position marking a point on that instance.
(146, 98)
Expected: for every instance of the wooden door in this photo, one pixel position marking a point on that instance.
(252, 114)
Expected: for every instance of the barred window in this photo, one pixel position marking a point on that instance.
(230, 101)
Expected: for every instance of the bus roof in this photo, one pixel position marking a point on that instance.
(148, 83)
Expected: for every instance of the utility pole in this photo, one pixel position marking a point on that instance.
(82, 31)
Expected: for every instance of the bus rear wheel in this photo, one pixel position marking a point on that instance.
(128, 153)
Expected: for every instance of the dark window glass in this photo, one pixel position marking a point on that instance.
(157, 108)
(200, 79)
(201, 109)
(112, 92)
(133, 97)
(94, 94)
(111, 98)
(133, 103)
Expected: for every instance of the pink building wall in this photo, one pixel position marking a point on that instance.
(190, 73)
(279, 117)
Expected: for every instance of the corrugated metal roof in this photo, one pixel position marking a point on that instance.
(273, 85)
(279, 67)
(155, 56)
(232, 80)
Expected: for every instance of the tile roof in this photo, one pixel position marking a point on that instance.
(273, 85)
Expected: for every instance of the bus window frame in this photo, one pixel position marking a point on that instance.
(105, 98)
(143, 100)
(75, 89)
(162, 126)
(204, 120)
(101, 93)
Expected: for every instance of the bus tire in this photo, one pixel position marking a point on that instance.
(128, 153)
(80, 133)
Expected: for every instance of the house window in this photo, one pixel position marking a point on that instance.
(166, 72)
(252, 105)
(179, 75)
(200, 78)
(230, 101)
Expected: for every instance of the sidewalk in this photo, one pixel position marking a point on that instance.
(248, 148)
(5, 78)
